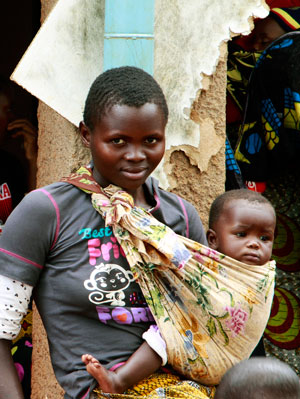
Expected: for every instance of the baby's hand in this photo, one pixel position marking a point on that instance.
(26, 130)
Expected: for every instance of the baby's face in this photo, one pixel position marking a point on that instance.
(245, 231)
(265, 32)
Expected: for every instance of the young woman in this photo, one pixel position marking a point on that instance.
(56, 246)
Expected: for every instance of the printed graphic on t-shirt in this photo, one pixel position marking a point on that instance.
(99, 250)
(110, 279)
(108, 283)
(5, 202)
(122, 315)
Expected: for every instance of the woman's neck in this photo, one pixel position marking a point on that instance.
(138, 194)
(140, 198)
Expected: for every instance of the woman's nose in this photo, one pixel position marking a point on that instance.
(135, 154)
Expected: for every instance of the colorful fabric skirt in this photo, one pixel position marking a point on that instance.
(162, 385)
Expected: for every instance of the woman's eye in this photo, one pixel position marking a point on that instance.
(151, 140)
(118, 141)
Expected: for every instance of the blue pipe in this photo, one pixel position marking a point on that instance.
(129, 34)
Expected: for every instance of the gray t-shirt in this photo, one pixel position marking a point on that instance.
(83, 287)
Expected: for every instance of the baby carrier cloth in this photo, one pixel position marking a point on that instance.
(210, 309)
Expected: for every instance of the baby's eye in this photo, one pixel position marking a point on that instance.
(118, 141)
(151, 140)
(264, 238)
(241, 234)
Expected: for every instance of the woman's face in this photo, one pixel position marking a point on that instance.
(265, 32)
(126, 145)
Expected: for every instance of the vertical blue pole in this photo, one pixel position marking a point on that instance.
(129, 34)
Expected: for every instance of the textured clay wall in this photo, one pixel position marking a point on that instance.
(202, 183)
(60, 151)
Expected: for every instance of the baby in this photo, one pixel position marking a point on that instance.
(259, 377)
(241, 225)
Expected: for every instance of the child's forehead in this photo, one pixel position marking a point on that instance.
(244, 204)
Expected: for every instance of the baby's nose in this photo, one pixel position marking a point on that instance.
(253, 243)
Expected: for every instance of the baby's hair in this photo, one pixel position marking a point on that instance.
(259, 377)
(122, 86)
(219, 203)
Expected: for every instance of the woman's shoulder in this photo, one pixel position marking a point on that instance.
(56, 197)
(174, 201)
(177, 213)
(58, 190)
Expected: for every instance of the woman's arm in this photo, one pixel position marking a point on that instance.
(14, 301)
(10, 386)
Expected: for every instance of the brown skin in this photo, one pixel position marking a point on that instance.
(264, 33)
(126, 146)
(10, 386)
(260, 377)
(140, 365)
(244, 231)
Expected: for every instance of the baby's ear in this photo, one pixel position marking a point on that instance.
(212, 239)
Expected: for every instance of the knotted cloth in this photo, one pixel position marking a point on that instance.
(210, 309)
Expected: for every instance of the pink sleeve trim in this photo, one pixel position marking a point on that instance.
(86, 394)
(57, 214)
(157, 202)
(187, 231)
(21, 258)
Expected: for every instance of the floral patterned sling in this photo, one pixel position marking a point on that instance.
(210, 309)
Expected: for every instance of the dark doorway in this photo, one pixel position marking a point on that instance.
(20, 21)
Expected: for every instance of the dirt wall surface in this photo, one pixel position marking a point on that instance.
(200, 185)
(187, 47)
(60, 147)
(51, 164)
(198, 179)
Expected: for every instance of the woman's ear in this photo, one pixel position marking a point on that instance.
(85, 134)
(212, 239)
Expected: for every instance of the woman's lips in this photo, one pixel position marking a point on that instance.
(134, 173)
